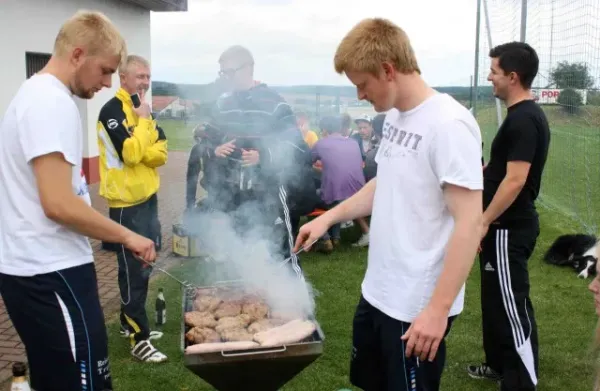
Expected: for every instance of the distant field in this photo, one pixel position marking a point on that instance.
(571, 182)
(179, 133)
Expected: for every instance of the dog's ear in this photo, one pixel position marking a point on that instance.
(592, 267)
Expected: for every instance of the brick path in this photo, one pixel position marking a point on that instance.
(171, 201)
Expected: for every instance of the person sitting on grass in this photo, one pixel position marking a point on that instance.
(342, 174)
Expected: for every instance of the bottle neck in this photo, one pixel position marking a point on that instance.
(19, 379)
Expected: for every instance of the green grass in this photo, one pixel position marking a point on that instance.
(564, 311)
(179, 133)
(571, 183)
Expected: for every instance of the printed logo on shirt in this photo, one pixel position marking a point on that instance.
(82, 189)
(112, 124)
(399, 141)
(402, 138)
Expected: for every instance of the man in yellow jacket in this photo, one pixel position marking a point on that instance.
(131, 148)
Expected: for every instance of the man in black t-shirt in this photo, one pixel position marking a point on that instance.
(512, 180)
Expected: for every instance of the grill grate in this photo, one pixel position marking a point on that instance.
(266, 369)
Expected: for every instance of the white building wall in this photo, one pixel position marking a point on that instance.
(32, 25)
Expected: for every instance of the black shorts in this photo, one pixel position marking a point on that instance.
(60, 321)
(379, 362)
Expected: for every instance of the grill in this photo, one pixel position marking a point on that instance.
(262, 369)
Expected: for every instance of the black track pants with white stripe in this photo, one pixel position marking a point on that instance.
(133, 275)
(60, 321)
(510, 336)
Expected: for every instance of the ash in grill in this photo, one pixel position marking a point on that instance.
(233, 341)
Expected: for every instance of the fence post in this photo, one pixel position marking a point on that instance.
(489, 34)
(523, 20)
(475, 86)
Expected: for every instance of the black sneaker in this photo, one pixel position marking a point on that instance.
(483, 371)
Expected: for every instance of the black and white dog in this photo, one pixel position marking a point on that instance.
(580, 251)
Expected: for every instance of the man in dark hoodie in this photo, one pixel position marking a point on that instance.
(257, 164)
(370, 169)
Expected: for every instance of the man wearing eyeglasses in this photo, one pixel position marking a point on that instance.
(257, 160)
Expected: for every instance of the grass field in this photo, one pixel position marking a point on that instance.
(179, 134)
(564, 308)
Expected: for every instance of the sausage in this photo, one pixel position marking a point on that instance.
(220, 347)
(289, 333)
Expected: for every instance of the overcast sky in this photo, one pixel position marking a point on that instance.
(293, 41)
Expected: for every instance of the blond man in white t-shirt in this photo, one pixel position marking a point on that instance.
(47, 276)
(426, 208)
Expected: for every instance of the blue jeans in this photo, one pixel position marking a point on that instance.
(334, 232)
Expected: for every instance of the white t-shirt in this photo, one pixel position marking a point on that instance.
(42, 118)
(436, 143)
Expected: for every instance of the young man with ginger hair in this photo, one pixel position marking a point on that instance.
(426, 208)
(47, 275)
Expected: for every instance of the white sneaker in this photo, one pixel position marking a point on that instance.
(144, 351)
(347, 224)
(363, 241)
(155, 335)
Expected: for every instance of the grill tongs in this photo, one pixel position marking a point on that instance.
(185, 284)
(191, 286)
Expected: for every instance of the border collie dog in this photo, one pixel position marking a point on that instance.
(579, 251)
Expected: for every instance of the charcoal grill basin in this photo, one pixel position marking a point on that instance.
(262, 369)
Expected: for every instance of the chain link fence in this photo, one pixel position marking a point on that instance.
(566, 36)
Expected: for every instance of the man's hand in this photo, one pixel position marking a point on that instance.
(250, 158)
(141, 247)
(424, 335)
(143, 111)
(310, 233)
(225, 149)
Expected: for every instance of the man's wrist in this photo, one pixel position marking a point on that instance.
(440, 306)
(331, 217)
(485, 220)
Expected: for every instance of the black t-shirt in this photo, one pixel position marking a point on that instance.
(523, 136)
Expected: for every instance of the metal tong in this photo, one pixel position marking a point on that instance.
(296, 253)
(185, 284)
(189, 285)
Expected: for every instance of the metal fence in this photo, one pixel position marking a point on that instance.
(566, 36)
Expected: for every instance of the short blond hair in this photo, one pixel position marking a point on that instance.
(131, 60)
(93, 31)
(372, 42)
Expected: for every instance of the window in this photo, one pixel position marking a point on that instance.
(34, 62)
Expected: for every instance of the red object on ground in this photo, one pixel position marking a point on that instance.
(317, 212)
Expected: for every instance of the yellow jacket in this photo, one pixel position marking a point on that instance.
(311, 138)
(131, 148)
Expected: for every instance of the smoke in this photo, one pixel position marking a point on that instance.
(242, 247)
